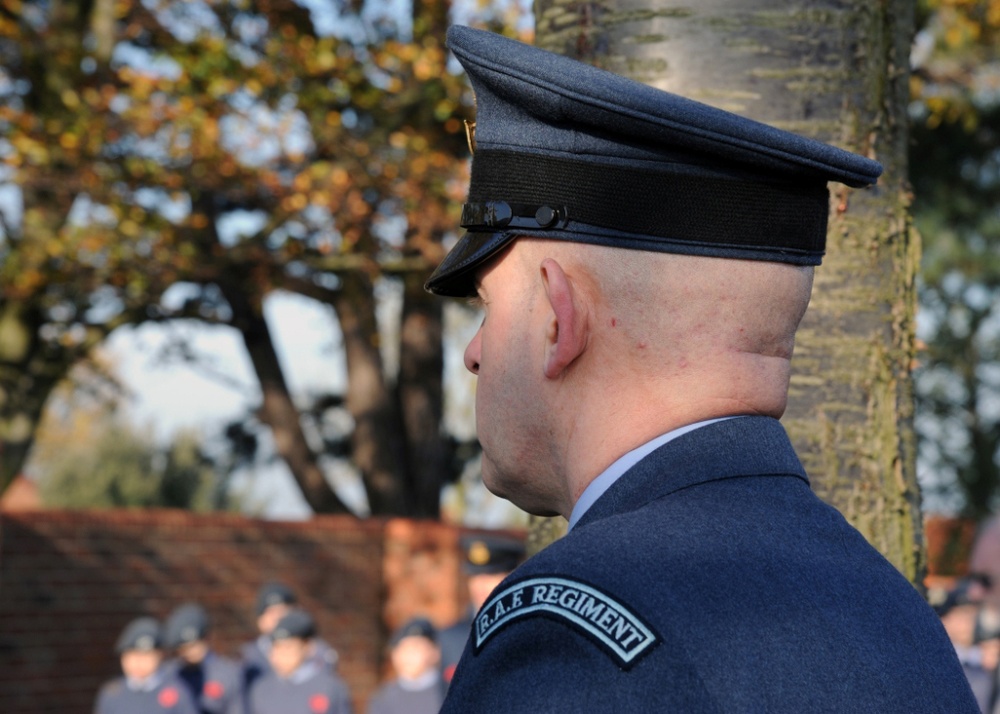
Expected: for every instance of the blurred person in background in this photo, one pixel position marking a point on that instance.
(274, 601)
(212, 680)
(146, 686)
(486, 561)
(416, 659)
(297, 683)
(979, 659)
(971, 616)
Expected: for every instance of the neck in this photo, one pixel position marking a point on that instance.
(627, 415)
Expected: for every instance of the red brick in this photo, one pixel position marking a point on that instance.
(70, 580)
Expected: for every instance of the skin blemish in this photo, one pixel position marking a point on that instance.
(614, 322)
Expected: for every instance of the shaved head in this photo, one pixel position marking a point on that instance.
(666, 300)
(607, 348)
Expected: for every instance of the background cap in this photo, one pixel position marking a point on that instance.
(416, 627)
(491, 554)
(187, 623)
(274, 593)
(298, 624)
(143, 633)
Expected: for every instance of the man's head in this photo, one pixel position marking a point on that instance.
(414, 649)
(274, 601)
(140, 648)
(291, 642)
(642, 260)
(638, 343)
(186, 631)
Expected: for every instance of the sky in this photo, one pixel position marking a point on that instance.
(169, 394)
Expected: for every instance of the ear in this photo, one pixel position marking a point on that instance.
(566, 333)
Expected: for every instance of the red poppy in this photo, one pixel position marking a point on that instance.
(213, 689)
(449, 672)
(168, 697)
(319, 703)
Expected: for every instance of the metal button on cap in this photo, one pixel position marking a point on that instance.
(546, 216)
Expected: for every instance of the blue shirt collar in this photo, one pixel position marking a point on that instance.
(604, 481)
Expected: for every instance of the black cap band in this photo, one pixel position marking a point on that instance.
(509, 190)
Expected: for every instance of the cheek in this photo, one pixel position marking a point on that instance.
(500, 378)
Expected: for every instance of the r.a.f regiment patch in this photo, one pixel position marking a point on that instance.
(606, 621)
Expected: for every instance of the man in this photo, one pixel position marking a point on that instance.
(274, 601)
(416, 659)
(643, 262)
(212, 680)
(487, 560)
(297, 682)
(146, 687)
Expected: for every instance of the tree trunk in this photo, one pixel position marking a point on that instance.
(277, 409)
(376, 444)
(835, 70)
(421, 396)
(29, 371)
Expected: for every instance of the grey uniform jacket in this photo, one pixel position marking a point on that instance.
(322, 692)
(215, 684)
(392, 698)
(169, 696)
(709, 578)
(452, 640)
(254, 659)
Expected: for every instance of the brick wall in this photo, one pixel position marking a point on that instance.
(949, 545)
(69, 582)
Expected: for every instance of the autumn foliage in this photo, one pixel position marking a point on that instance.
(133, 129)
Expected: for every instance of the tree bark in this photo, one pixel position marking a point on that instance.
(377, 444)
(29, 371)
(421, 396)
(835, 70)
(277, 408)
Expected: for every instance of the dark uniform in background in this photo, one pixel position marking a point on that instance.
(700, 572)
(959, 616)
(310, 688)
(214, 681)
(274, 601)
(418, 687)
(486, 558)
(277, 598)
(157, 692)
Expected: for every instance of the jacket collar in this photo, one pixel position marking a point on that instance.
(749, 446)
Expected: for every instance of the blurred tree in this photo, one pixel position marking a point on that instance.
(955, 168)
(105, 463)
(236, 147)
(88, 456)
(835, 71)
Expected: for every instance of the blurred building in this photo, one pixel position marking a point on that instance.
(70, 580)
